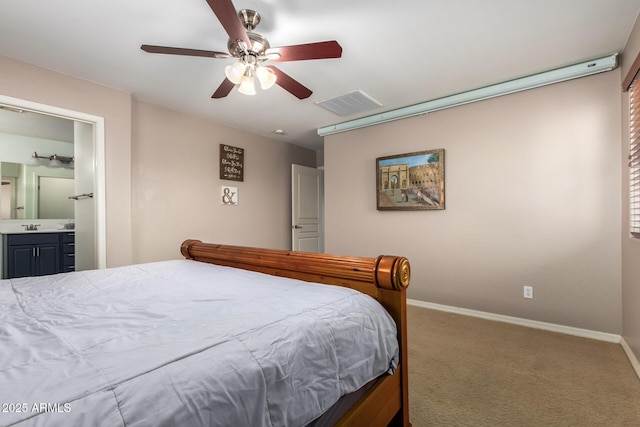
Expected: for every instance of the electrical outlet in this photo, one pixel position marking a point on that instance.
(528, 292)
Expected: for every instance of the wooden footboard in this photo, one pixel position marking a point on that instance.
(385, 278)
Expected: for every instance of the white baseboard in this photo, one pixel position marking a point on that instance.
(632, 357)
(585, 333)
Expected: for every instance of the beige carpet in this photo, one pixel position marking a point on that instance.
(465, 371)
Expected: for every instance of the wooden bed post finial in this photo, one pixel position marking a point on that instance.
(393, 272)
(186, 245)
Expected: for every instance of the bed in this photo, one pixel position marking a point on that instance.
(228, 336)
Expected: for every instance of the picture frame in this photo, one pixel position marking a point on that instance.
(229, 195)
(410, 181)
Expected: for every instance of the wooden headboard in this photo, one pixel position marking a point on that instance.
(385, 278)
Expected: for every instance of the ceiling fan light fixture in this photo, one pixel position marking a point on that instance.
(247, 87)
(266, 77)
(235, 72)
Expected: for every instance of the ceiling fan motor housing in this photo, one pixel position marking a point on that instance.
(259, 45)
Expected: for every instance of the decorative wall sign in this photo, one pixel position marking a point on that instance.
(229, 195)
(412, 181)
(231, 163)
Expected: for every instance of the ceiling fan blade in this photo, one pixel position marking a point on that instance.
(224, 89)
(181, 51)
(301, 52)
(228, 17)
(291, 85)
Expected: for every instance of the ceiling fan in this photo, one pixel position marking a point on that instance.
(251, 50)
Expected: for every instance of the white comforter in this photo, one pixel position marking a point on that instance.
(183, 343)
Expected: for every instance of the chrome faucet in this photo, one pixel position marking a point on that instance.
(31, 227)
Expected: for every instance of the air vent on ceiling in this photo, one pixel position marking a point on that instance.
(351, 103)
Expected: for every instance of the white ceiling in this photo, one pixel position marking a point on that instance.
(398, 52)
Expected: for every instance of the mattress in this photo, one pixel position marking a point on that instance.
(184, 343)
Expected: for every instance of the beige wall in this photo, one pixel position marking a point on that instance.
(23, 81)
(532, 198)
(176, 185)
(630, 246)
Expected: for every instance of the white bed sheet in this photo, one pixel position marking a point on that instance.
(183, 343)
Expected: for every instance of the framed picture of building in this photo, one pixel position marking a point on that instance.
(412, 181)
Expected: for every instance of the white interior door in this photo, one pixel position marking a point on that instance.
(85, 207)
(307, 209)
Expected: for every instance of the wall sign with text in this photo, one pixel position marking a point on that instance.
(231, 163)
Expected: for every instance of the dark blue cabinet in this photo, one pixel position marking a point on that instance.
(68, 252)
(37, 254)
(20, 261)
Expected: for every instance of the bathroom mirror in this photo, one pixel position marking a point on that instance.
(34, 186)
(36, 192)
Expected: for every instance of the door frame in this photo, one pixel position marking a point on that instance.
(99, 161)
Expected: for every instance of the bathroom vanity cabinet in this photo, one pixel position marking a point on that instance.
(38, 254)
